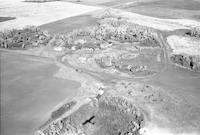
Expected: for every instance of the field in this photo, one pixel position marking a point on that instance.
(38, 13)
(175, 9)
(2, 19)
(168, 9)
(29, 91)
(69, 24)
(110, 67)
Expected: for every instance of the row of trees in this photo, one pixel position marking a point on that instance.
(107, 29)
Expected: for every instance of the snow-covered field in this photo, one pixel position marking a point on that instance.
(28, 13)
(184, 45)
(153, 22)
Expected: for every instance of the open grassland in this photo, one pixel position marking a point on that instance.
(29, 92)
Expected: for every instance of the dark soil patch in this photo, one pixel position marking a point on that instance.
(3, 19)
(69, 24)
(64, 108)
(168, 9)
(174, 4)
(40, 1)
(115, 2)
(196, 17)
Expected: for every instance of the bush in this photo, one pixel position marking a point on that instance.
(58, 40)
(30, 36)
(195, 32)
(190, 62)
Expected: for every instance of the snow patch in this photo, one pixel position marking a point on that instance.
(184, 45)
(27, 13)
(154, 130)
